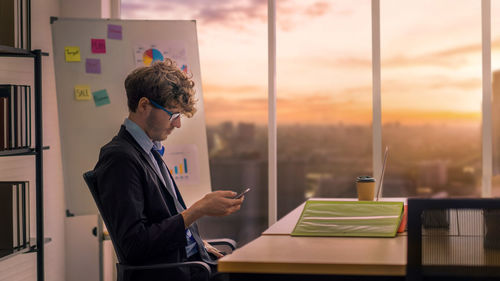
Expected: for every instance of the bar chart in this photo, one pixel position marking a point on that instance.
(182, 162)
(180, 169)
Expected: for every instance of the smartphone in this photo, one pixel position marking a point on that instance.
(241, 194)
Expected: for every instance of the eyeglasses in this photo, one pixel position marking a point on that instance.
(173, 116)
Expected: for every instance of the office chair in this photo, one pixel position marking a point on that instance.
(453, 239)
(125, 271)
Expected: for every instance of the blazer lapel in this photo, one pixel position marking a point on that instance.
(179, 196)
(126, 135)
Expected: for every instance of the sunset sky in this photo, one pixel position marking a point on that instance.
(431, 58)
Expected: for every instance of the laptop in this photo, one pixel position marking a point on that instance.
(383, 172)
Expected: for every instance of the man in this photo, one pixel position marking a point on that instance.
(145, 211)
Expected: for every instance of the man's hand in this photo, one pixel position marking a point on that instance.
(212, 249)
(217, 203)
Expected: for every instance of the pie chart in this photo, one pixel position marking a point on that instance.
(151, 55)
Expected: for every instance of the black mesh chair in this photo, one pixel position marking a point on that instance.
(453, 239)
(125, 271)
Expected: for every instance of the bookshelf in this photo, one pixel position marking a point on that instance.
(7, 51)
(36, 151)
(30, 249)
(20, 151)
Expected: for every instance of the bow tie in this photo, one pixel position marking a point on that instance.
(161, 150)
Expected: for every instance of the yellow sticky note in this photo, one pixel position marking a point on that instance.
(82, 92)
(72, 53)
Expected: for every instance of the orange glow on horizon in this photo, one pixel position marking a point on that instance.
(255, 111)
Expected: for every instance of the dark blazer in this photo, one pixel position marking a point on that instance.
(140, 211)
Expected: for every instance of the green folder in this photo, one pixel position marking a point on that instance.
(349, 218)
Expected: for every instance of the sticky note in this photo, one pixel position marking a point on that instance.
(82, 92)
(98, 46)
(72, 53)
(114, 31)
(101, 98)
(93, 65)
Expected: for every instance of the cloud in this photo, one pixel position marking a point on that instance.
(315, 109)
(130, 9)
(220, 110)
(208, 12)
(447, 58)
(320, 111)
(291, 14)
(239, 17)
(317, 9)
(238, 91)
(422, 116)
(403, 101)
(348, 62)
(450, 58)
(233, 14)
(130, 6)
(428, 84)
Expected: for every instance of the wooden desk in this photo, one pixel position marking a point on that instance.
(276, 252)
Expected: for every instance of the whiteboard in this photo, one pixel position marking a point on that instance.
(86, 127)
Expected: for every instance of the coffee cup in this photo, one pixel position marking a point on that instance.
(365, 186)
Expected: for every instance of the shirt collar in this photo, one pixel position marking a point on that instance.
(140, 136)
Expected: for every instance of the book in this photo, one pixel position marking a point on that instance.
(28, 112)
(16, 115)
(10, 92)
(23, 214)
(14, 215)
(4, 125)
(9, 216)
(7, 22)
(18, 118)
(23, 116)
(14, 23)
(349, 218)
(7, 92)
(26, 214)
(27, 117)
(24, 119)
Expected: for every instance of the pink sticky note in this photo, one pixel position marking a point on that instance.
(98, 46)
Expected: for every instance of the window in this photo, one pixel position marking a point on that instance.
(324, 100)
(431, 97)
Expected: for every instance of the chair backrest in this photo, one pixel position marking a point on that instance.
(453, 238)
(125, 272)
(91, 181)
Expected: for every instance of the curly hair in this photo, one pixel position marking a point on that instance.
(164, 83)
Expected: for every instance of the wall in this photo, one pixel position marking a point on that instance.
(90, 9)
(23, 267)
(81, 9)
